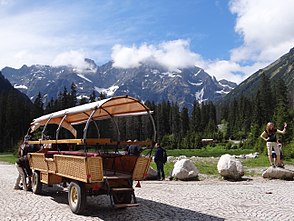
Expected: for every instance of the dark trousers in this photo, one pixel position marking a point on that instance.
(160, 169)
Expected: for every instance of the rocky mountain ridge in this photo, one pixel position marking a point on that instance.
(147, 82)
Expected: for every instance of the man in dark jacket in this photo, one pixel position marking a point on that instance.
(159, 160)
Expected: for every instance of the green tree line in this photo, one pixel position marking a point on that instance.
(242, 119)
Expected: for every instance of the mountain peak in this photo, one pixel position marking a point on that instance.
(149, 81)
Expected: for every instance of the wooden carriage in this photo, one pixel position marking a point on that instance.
(96, 172)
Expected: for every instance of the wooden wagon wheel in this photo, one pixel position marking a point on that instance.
(36, 183)
(76, 197)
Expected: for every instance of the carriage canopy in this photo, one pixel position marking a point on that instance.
(99, 110)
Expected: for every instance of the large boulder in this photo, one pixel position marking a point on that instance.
(181, 157)
(184, 169)
(230, 168)
(151, 174)
(171, 159)
(278, 173)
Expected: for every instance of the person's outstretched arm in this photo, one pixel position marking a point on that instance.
(284, 130)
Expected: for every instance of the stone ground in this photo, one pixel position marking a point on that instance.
(209, 199)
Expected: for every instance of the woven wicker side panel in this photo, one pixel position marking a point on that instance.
(51, 166)
(37, 161)
(44, 177)
(73, 167)
(95, 169)
(141, 168)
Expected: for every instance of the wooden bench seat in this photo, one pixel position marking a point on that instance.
(74, 153)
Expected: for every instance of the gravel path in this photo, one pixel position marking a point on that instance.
(210, 199)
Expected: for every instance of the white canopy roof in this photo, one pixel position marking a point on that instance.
(115, 106)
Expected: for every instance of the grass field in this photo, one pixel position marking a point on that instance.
(8, 157)
(208, 167)
(209, 151)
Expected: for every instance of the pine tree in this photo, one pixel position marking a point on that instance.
(39, 105)
(185, 121)
(72, 97)
(83, 101)
(93, 96)
(281, 111)
(196, 118)
(65, 99)
(102, 96)
(266, 100)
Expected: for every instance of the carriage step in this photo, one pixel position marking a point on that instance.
(118, 206)
(122, 189)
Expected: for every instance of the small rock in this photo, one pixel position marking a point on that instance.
(182, 157)
(171, 159)
(151, 174)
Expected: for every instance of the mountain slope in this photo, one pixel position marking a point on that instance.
(16, 112)
(147, 82)
(4, 83)
(282, 68)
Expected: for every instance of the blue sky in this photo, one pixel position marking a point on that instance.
(229, 39)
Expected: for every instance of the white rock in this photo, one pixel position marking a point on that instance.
(193, 159)
(171, 159)
(182, 157)
(278, 173)
(151, 174)
(184, 169)
(230, 168)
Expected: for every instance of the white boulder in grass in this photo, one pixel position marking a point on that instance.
(184, 169)
(278, 173)
(182, 157)
(171, 159)
(230, 168)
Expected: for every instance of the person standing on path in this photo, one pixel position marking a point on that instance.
(159, 160)
(23, 167)
(269, 135)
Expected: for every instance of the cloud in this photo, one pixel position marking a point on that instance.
(232, 71)
(177, 54)
(266, 27)
(73, 58)
(170, 54)
(36, 33)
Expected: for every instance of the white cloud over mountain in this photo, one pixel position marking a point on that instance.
(60, 33)
(266, 27)
(266, 30)
(170, 54)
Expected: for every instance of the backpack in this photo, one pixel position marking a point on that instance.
(164, 156)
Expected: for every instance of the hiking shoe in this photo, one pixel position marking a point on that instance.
(17, 188)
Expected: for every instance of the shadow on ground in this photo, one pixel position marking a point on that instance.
(99, 206)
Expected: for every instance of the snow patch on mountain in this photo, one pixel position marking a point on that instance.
(197, 72)
(222, 92)
(225, 85)
(16, 86)
(199, 96)
(108, 91)
(196, 84)
(169, 74)
(85, 78)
